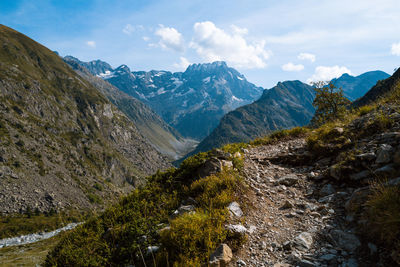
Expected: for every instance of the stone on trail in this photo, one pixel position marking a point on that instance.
(221, 256)
(235, 209)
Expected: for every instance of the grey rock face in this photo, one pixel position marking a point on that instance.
(304, 241)
(346, 241)
(193, 101)
(288, 180)
(384, 154)
(235, 209)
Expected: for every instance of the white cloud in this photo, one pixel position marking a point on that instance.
(292, 67)
(91, 44)
(183, 63)
(146, 38)
(128, 29)
(323, 73)
(214, 44)
(306, 56)
(396, 49)
(238, 30)
(170, 38)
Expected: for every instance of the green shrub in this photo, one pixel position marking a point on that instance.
(193, 237)
(121, 235)
(384, 214)
(280, 135)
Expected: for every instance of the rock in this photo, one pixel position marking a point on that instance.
(182, 209)
(337, 131)
(346, 241)
(221, 256)
(334, 171)
(359, 176)
(235, 209)
(288, 180)
(251, 229)
(357, 199)
(303, 241)
(241, 263)
(236, 228)
(350, 263)
(384, 154)
(372, 248)
(367, 156)
(387, 170)
(287, 245)
(327, 190)
(218, 153)
(326, 199)
(211, 166)
(287, 205)
(305, 263)
(393, 182)
(237, 155)
(152, 249)
(227, 163)
(328, 257)
(396, 157)
(390, 137)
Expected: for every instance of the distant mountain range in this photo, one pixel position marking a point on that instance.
(193, 101)
(165, 138)
(356, 86)
(214, 103)
(286, 105)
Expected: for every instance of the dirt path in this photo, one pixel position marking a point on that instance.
(292, 220)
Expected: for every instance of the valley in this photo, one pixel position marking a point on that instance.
(189, 134)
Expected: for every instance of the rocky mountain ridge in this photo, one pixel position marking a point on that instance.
(355, 87)
(162, 136)
(63, 144)
(286, 105)
(192, 101)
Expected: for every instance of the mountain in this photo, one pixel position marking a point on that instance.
(379, 90)
(95, 67)
(356, 86)
(165, 139)
(286, 105)
(193, 101)
(63, 144)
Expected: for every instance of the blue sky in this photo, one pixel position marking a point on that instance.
(267, 40)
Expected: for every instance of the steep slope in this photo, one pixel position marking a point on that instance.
(356, 86)
(166, 139)
(379, 90)
(63, 144)
(286, 105)
(192, 102)
(329, 198)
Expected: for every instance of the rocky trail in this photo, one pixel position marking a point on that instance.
(293, 218)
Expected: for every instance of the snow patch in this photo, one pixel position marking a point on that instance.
(206, 80)
(106, 75)
(161, 91)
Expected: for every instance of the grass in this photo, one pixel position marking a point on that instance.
(27, 255)
(280, 136)
(123, 232)
(34, 222)
(384, 214)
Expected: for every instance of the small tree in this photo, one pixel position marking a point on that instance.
(329, 102)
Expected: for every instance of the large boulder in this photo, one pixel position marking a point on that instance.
(221, 256)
